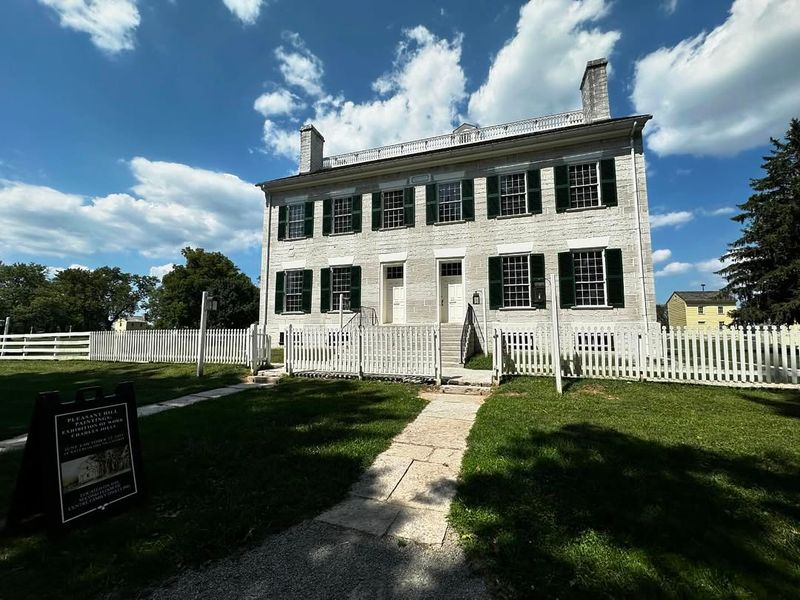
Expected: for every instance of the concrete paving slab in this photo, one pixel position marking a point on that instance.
(450, 410)
(152, 409)
(185, 401)
(435, 431)
(14, 442)
(420, 525)
(426, 485)
(219, 392)
(408, 451)
(380, 479)
(363, 514)
(451, 397)
(447, 457)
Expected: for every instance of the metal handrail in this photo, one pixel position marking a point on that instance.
(469, 324)
(365, 313)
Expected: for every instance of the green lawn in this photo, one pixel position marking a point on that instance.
(221, 474)
(637, 490)
(20, 381)
(480, 362)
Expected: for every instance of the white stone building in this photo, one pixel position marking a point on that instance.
(416, 230)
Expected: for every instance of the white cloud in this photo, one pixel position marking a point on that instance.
(418, 97)
(710, 266)
(661, 255)
(246, 11)
(110, 23)
(675, 268)
(279, 102)
(299, 66)
(669, 6)
(159, 271)
(718, 212)
(172, 206)
(538, 70)
(671, 219)
(727, 90)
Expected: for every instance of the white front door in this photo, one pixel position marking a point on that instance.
(455, 302)
(398, 304)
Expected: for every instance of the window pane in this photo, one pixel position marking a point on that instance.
(516, 281)
(512, 194)
(340, 287)
(393, 212)
(583, 188)
(296, 216)
(342, 215)
(395, 272)
(449, 202)
(451, 269)
(589, 278)
(293, 291)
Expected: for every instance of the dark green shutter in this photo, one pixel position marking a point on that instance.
(376, 211)
(355, 288)
(608, 182)
(324, 290)
(308, 278)
(279, 276)
(493, 196)
(536, 264)
(326, 216)
(495, 282)
(614, 283)
(562, 188)
(281, 222)
(308, 224)
(408, 206)
(430, 204)
(566, 279)
(534, 191)
(467, 200)
(356, 214)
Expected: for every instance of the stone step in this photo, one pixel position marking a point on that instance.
(263, 378)
(471, 389)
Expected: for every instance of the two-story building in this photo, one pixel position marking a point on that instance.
(700, 309)
(416, 230)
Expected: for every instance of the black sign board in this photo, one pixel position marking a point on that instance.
(82, 459)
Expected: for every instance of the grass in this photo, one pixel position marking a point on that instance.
(622, 489)
(20, 381)
(480, 362)
(276, 356)
(221, 475)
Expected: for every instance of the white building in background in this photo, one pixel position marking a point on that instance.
(416, 230)
(131, 323)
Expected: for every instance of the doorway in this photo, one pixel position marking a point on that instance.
(394, 294)
(451, 291)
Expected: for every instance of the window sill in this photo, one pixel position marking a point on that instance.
(440, 223)
(297, 239)
(585, 208)
(336, 312)
(294, 312)
(518, 308)
(395, 228)
(597, 307)
(341, 234)
(504, 217)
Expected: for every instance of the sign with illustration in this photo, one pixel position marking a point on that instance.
(82, 459)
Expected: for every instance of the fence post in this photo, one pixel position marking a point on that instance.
(639, 357)
(497, 356)
(556, 334)
(437, 352)
(253, 348)
(6, 328)
(288, 347)
(360, 351)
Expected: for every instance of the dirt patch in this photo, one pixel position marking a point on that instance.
(598, 390)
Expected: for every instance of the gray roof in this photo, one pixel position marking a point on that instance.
(709, 297)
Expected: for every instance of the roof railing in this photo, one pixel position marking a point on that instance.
(452, 140)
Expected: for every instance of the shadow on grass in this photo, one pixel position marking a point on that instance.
(787, 406)
(588, 511)
(221, 475)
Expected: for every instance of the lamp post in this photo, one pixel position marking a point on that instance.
(556, 350)
(207, 304)
(479, 297)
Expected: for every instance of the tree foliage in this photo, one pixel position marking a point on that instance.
(177, 302)
(764, 263)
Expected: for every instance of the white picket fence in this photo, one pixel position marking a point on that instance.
(742, 356)
(251, 346)
(396, 351)
(45, 346)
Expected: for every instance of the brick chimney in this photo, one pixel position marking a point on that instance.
(594, 91)
(311, 146)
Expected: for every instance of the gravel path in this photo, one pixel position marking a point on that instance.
(315, 560)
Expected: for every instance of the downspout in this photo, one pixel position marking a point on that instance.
(266, 256)
(639, 229)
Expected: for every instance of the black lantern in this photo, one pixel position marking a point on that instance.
(476, 298)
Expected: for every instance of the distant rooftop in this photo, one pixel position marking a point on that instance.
(709, 297)
(463, 135)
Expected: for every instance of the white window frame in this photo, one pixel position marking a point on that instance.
(401, 210)
(701, 310)
(459, 202)
(335, 293)
(527, 263)
(524, 193)
(602, 252)
(348, 215)
(598, 185)
(301, 208)
(286, 278)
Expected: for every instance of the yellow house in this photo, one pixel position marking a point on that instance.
(132, 323)
(700, 310)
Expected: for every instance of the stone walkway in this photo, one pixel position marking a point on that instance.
(152, 409)
(406, 492)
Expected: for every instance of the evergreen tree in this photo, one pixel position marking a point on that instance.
(764, 263)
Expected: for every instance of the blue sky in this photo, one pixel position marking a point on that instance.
(130, 128)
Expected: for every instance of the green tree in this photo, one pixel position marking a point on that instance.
(662, 315)
(177, 302)
(20, 285)
(764, 263)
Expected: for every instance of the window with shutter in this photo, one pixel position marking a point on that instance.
(614, 278)
(493, 196)
(535, 191)
(608, 182)
(324, 290)
(356, 214)
(513, 199)
(307, 284)
(495, 282)
(279, 287)
(282, 222)
(467, 200)
(566, 280)
(562, 188)
(449, 202)
(326, 216)
(308, 222)
(409, 196)
(430, 204)
(376, 211)
(342, 215)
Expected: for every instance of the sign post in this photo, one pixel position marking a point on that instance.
(82, 459)
(556, 334)
(207, 304)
